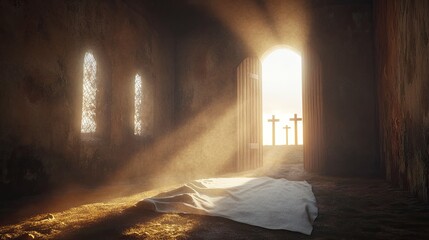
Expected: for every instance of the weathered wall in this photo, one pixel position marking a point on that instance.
(206, 62)
(342, 36)
(42, 49)
(402, 33)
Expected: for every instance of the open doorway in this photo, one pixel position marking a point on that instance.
(282, 105)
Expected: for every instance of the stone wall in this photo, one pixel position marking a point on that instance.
(206, 62)
(402, 47)
(43, 44)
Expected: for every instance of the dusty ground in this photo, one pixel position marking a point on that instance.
(348, 209)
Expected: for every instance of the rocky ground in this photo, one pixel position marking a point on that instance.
(349, 208)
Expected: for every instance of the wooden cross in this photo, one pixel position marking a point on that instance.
(287, 134)
(274, 120)
(296, 119)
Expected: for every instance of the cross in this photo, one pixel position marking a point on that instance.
(296, 119)
(274, 120)
(287, 134)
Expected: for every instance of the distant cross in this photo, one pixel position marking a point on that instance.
(296, 119)
(274, 120)
(287, 134)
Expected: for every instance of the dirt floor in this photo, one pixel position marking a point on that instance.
(348, 209)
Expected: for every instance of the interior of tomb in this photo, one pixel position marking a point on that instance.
(364, 109)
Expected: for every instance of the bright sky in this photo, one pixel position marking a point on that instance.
(281, 94)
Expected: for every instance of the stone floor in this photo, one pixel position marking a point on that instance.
(349, 208)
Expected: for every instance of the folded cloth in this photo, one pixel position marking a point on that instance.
(265, 202)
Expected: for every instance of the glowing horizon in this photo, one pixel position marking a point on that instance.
(282, 95)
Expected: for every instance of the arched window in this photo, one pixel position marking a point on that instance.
(138, 95)
(88, 124)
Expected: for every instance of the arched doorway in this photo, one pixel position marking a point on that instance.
(250, 116)
(282, 97)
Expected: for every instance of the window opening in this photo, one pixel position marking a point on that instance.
(88, 124)
(138, 95)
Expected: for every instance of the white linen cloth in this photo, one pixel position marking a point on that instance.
(266, 202)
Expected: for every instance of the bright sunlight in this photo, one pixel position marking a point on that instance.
(282, 95)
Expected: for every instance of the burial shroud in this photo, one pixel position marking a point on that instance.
(265, 202)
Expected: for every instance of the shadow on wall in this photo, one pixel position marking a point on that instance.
(23, 173)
